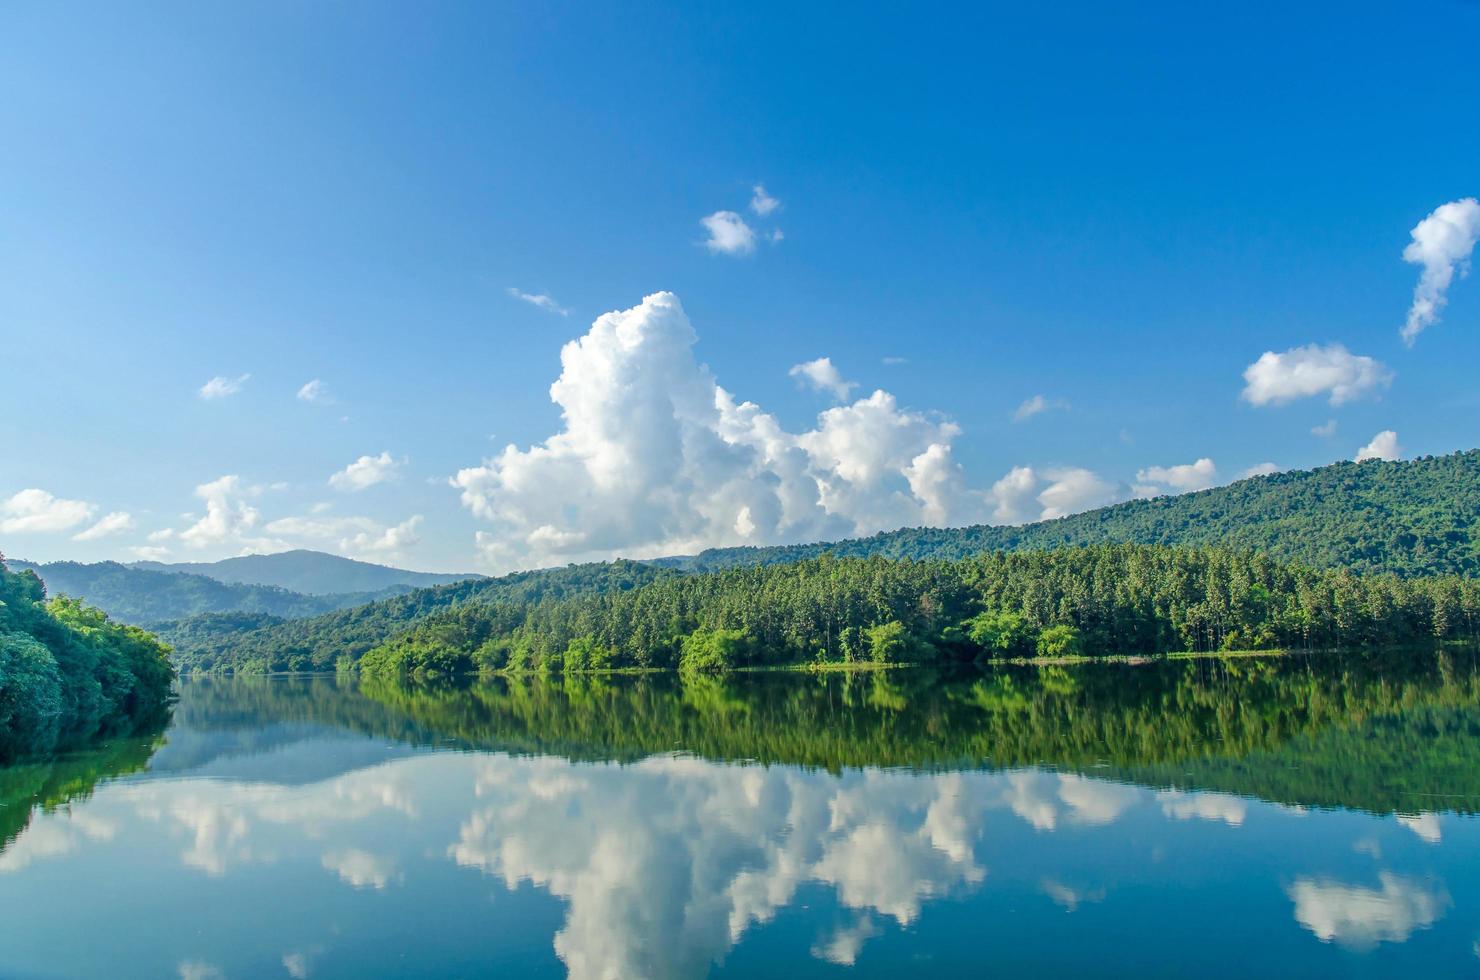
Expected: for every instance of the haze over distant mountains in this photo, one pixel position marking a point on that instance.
(308, 572)
(290, 585)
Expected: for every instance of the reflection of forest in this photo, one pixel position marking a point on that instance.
(1383, 734)
(1375, 733)
(68, 776)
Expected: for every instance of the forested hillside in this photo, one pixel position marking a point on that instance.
(145, 598)
(1406, 518)
(308, 572)
(1106, 599)
(67, 671)
(254, 643)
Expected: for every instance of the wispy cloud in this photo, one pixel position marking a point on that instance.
(222, 387)
(1326, 430)
(1037, 405)
(315, 391)
(1442, 243)
(761, 202)
(540, 300)
(114, 523)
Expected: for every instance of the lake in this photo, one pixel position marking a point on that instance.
(1293, 816)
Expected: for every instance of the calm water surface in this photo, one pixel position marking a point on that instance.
(1291, 817)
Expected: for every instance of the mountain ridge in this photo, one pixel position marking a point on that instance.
(147, 598)
(307, 572)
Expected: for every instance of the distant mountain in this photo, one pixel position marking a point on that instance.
(1420, 517)
(145, 598)
(308, 572)
(258, 644)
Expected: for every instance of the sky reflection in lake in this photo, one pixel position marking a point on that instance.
(372, 854)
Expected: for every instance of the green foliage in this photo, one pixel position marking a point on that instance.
(1411, 518)
(1062, 640)
(708, 651)
(1001, 633)
(1102, 600)
(67, 671)
(456, 617)
(890, 643)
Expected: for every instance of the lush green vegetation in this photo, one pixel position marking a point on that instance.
(1378, 732)
(1103, 600)
(146, 598)
(1408, 518)
(1405, 519)
(259, 644)
(67, 671)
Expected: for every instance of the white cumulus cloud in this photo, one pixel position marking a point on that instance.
(1075, 489)
(229, 518)
(1326, 430)
(728, 234)
(823, 376)
(1384, 445)
(366, 472)
(1156, 481)
(34, 511)
(362, 536)
(1312, 370)
(1442, 243)
(222, 387)
(654, 457)
(1259, 469)
(1360, 917)
(114, 523)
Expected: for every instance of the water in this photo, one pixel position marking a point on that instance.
(1293, 817)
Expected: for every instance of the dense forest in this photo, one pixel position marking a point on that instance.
(1102, 600)
(1405, 518)
(67, 671)
(250, 643)
(145, 598)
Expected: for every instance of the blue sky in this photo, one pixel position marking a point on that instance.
(1118, 210)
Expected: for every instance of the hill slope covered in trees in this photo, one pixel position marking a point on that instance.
(145, 598)
(1406, 518)
(256, 643)
(1105, 599)
(67, 671)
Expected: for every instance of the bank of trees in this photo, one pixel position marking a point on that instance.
(66, 670)
(1411, 518)
(1102, 600)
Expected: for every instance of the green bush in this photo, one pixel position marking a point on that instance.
(1060, 641)
(711, 651)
